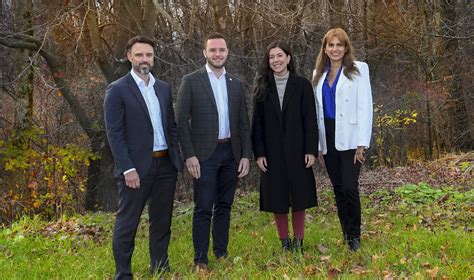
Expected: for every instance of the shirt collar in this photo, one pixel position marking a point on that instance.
(209, 71)
(139, 80)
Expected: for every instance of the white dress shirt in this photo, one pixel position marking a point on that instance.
(219, 88)
(153, 105)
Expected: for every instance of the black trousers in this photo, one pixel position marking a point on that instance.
(344, 176)
(158, 188)
(213, 197)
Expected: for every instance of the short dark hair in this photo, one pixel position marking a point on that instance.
(139, 39)
(213, 35)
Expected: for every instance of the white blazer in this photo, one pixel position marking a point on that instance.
(353, 110)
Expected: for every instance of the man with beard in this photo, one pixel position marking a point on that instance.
(143, 137)
(214, 134)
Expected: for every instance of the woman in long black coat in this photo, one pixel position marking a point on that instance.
(285, 142)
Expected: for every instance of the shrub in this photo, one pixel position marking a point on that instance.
(41, 178)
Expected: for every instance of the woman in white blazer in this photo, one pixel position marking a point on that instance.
(344, 112)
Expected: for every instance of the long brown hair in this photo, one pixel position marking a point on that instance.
(350, 69)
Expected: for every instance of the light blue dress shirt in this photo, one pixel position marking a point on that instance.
(219, 88)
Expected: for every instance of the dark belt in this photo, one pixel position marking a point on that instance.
(223, 141)
(160, 154)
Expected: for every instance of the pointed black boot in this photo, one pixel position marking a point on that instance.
(286, 245)
(354, 244)
(298, 245)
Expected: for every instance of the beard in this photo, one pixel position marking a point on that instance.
(217, 66)
(142, 68)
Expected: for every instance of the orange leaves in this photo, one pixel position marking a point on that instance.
(37, 204)
(432, 273)
(44, 177)
(312, 270)
(333, 272)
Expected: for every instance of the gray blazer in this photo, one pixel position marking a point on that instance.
(197, 117)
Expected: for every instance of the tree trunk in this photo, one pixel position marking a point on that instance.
(24, 68)
(102, 193)
(460, 120)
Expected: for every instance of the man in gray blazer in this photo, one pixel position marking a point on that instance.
(143, 137)
(214, 134)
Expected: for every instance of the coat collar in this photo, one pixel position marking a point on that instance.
(340, 83)
(290, 85)
(273, 95)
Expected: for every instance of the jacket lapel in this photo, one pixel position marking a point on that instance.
(341, 81)
(204, 77)
(319, 88)
(290, 86)
(163, 102)
(273, 95)
(136, 91)
(231, 96)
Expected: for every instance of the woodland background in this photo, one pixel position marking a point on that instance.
(59, 55)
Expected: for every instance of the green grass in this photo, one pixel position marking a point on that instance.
(402, 237)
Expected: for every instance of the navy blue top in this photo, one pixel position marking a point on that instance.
(329, 96)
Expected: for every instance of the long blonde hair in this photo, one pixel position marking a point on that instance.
(350, 69)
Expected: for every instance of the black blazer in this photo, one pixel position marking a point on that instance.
(129, 128)
(198, 120)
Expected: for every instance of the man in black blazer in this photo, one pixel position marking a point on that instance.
(214, 135)
(142, 135)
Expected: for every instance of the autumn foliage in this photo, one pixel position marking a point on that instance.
(41, 178)
(58, 57)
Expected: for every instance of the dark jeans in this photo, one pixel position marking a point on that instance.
(157, 187)
(344, 175)
(213, 197)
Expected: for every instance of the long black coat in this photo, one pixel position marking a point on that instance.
(284, 136)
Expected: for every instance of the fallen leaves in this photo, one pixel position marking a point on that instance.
(432, 273)
(325, 258)
(312, 270)
(333, 272)
(360, 270)
(322, 248)
(65, 229)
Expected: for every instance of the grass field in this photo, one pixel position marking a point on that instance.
(414, 232)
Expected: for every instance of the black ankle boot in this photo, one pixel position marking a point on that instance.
(286, 244)
(354, 244)
(298, 245)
